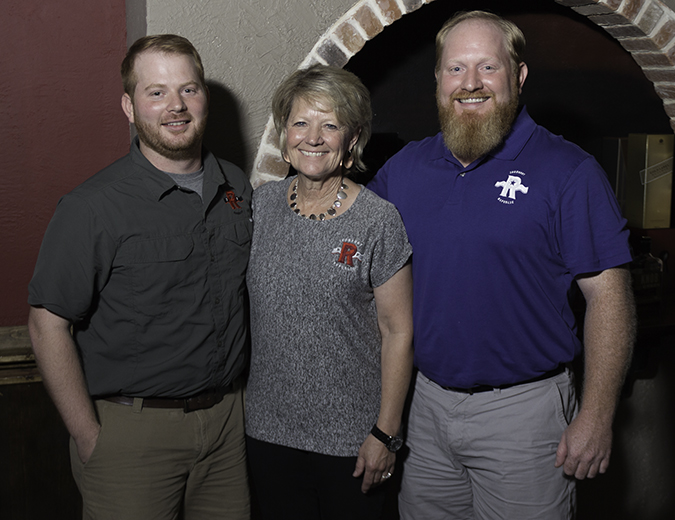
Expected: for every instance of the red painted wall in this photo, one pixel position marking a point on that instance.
(62, 121)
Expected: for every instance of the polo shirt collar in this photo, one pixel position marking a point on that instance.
(521, 131)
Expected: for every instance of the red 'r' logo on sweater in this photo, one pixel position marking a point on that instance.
(347, 253)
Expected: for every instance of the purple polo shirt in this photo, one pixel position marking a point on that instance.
(496, 247)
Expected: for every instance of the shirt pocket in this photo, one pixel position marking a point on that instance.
(239, 232)
(234, 248)
(163, 273)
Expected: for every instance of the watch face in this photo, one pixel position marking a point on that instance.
(395, 443)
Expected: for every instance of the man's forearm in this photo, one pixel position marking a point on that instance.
(609, 332)
(59, 364)
(609, 335)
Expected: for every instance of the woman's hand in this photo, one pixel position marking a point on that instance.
(374, 462)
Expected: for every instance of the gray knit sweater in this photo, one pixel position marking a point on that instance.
(315, 377)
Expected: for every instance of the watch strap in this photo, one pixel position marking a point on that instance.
(392, 442)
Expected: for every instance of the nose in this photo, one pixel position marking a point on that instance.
(176, 103)
(472, 81)
(314, 136)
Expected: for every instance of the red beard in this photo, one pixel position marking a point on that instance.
(470, 136)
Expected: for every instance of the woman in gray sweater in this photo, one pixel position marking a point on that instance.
(331, 313)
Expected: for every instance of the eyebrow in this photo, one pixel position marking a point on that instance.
(163, 85)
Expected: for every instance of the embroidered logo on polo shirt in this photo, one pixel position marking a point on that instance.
(510, 187)
(347, 254)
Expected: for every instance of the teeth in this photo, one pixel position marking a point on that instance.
(312, 154)
(473, 100)
(177, 123)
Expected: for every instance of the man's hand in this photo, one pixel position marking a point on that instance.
(374, 462)
(585, 447)
(86, 444)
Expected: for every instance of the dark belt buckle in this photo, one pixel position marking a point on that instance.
(202, 401)
(198, 402)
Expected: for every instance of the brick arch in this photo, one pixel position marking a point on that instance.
(645, 28)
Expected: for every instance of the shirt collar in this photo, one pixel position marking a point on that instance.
(159, 183)
(521, 131)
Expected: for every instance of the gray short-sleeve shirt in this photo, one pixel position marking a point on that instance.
(315, 378)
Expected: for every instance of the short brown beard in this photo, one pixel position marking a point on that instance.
(470, 136)
(151, 138)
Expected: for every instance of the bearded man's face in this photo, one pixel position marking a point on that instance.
(472, 135)
(477, 89)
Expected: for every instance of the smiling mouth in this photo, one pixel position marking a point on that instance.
(472, 100)
(176, 123)
(312, 154)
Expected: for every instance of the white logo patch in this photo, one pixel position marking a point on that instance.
(510, 186)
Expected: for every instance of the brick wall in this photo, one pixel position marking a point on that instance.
(645, 28)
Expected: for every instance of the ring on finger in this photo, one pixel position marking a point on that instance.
(386, 475)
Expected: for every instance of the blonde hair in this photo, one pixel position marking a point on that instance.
(513, 36)
(342, 91)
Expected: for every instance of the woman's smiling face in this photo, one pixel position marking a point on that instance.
(316, 143)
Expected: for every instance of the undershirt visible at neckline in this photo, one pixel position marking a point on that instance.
(189, 181)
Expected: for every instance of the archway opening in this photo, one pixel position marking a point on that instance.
(582, 84)
(645, 29)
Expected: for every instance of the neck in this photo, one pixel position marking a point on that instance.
(191, 163)
(464, 162)
(317, 191)
(317, 200)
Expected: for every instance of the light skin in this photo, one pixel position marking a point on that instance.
(171, 105)
(393, 300)
(609, 334)
(56, 355)
(317, 146)
(476, 71)
(168, 91)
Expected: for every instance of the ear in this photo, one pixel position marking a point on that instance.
(283, 146)
(354, 139)
(522, 75)
(128, 107)
(348, 160)
(284, 155)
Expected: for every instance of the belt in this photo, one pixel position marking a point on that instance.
(201, 401)
(488, 388)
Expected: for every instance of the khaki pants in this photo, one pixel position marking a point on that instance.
(490, 455)
(152, 463)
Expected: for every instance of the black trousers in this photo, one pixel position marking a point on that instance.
(302, 485)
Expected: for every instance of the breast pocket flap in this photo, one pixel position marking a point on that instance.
(165, 249)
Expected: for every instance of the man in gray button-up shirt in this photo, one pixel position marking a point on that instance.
(146, 262)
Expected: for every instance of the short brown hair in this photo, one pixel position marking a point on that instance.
(340, 89)
(164, 43)
(513, 36)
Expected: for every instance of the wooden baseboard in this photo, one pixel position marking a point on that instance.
(17, 361)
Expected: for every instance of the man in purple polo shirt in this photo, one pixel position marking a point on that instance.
(504, 218)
